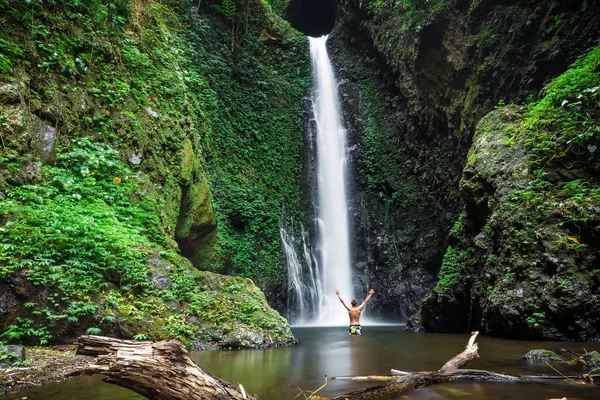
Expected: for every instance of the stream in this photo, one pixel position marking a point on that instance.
(280, 373)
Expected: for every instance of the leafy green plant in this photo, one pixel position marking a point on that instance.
(6, 356)
(8, 49)
(536, 319)
(26, 330)
(140, 336)
(227, 8)
(94, 331)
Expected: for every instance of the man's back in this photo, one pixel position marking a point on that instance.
(354, 313)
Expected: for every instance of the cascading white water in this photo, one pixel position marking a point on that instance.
(304, 286)
(311, 284)
(332, 206)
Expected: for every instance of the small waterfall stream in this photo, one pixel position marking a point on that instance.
(304, 285)
(313, 293)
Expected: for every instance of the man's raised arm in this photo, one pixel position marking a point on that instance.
(364, 303)
(342, 300)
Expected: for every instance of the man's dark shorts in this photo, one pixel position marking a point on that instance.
(355, 330)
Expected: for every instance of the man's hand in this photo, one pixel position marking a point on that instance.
(371, 292)
(337, 292)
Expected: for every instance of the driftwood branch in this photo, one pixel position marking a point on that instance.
(157, 371)
(407, 382)
(463, 358)
(584, 378)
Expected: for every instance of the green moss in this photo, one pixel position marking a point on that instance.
(413, 14)
(384, 169)
(454, 266)
(196, 216)
(178, 109)
(562, 128)
(458, 225)
(189, 162)
(565, 118)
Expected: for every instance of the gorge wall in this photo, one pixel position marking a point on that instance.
(417, 79)
(143, 140)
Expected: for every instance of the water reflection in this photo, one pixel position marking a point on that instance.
(280, 373)
(82, 388)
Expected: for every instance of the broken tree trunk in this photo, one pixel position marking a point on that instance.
(158, 371)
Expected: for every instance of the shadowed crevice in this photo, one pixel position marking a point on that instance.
(312, 17)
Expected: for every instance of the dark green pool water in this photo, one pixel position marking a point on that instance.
(280, 373)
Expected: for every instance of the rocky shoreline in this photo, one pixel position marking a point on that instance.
(43, 365)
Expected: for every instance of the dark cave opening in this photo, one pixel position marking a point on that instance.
(312, 17)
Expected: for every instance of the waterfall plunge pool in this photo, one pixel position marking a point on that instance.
(277, 374)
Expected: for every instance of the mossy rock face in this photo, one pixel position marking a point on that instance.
(123, 144)
(416, 79)
(415, 323)
(530, 275)
(190, 163)
(197, 220)
(199, 308)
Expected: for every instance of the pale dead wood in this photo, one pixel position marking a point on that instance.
(158, 371)
(465, 357)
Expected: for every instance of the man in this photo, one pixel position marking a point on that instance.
(354, 312)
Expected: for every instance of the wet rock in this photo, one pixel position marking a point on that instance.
(159, 275)
(542, 355)
(136, 158)
(10, 304)
(9, 93)
(201, 345)
(45, 136)
(30, 172)
(591, 359)
(174, 305)
(244, 339)
(11, 354)
(415, 323)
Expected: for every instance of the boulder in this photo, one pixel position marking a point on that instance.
(542, 355)
(11, 354)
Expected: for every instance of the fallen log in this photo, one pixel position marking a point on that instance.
(408, 382)
(157, 371)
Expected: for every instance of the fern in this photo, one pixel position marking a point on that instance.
(228, 9)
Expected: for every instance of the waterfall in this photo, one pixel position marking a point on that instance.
(304, 286)
(332, 206)
(311, 284)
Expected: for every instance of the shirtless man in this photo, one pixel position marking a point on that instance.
(354, 312)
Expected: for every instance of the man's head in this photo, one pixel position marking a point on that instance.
(354, 302)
